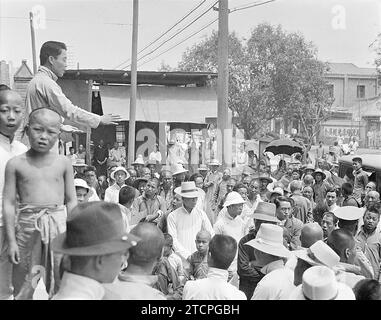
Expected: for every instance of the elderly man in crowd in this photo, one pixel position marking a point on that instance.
(136, 281)
(96, 245)
(371, 198)
(185, 222)
(166, 187)
(254, 197)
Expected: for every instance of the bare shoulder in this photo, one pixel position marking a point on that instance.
(17, 160)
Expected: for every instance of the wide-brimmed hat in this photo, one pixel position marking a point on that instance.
(233, 198)
(203, 167)
(269, 239)
(188, 189)
(112, 174)
(248, 171)
(177, 168)
(214, 162)
(265, 211)
(319, 254)
(265, 177)
(277, 190)
(318, 170)
(349, 213)
(139, 160)
(319, 283)
(309, 167)
(94, 228)
(151, 162)
(80, 183)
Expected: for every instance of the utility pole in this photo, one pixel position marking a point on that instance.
(223, 76)
(33, 37)
(134, 67)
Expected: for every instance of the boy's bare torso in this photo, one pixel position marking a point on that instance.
(40, 180)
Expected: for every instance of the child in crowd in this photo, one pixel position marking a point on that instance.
(168, 280)
(173, 258)
(198, 261)
(43, 183)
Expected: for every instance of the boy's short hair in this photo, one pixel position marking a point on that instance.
(32, 114)
(51, 48)
(357, 159)
(347, 188)
(126, 195)
(331, 189)
(222, 249)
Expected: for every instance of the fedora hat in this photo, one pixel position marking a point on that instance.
(319, 283)
(94, 228)
(112, 174)
(265, 211)
(349, 213)
(80, 183)
(214, 162)
(265, 177)
(139, 160)
(277, 190)
(233, 198)
(319, 254)
(269, 239)
(177, 168)
(188, 189)
(319, 171)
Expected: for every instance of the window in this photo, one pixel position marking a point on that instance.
(120, 134)
(360, 92)
(330, 90)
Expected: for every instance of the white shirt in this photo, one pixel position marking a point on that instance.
(214, 287)
(112, 193)
(333, 207)
(201, 204)
(8, 150)
(76, 287)
(93, 195)
(276, 285)
(184, 226)
(156, 156)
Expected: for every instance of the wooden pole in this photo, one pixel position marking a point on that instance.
(134, 67)
(223, 74)
(33, 37)
(88, 129)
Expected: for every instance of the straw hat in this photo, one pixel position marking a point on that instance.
(94, 228)
(139, 160)
(269, 239)
(309, 166)
(319, 283)
(349, 213)
(265, 211)
(233, 198)
(112, 174)
(177, 168)
(319, 254)
(188, 189)
(265, 177)
(214, 162)
(151, 162)
(277, 190)
(80, 183)
(203, 167)
(319, 171)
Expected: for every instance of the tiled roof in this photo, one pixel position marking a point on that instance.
(350, 68)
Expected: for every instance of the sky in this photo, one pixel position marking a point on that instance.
(98, 32)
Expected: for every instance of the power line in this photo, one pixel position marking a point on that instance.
(75, 21)
(247, 6)
(177, 33)
(164, 33)
(190, 36)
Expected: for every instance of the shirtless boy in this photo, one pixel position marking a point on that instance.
(43, 183)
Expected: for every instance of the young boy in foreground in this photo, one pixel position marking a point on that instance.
(43, 183)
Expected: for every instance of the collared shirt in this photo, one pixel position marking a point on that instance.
(214, 287)
(8, 150)
(142, 207)
(277, 284)
(370, 245)
(294, 226)
(76, 287)
(112, 193)
(44, 92)
(133, 287)
(184, 226)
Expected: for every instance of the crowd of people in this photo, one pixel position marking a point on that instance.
(157, 232)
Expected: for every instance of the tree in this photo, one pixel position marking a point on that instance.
(165, 67)
(275, 74)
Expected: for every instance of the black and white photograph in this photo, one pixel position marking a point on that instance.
(215, 150)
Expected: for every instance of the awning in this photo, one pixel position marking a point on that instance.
(162, 104)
